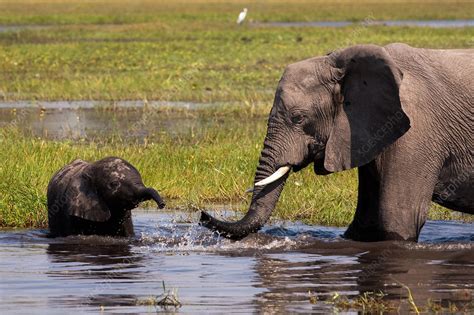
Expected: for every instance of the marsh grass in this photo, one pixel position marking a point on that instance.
(203, 66)
(169, 298)
(168, 12)
(213, 165)
(368, 303)
(189, 51)
(410, 298)
(380, 303)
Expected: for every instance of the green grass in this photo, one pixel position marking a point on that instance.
(173, 12)
(157, 50)
(215, 164)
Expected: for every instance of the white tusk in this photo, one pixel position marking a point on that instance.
(270, 179)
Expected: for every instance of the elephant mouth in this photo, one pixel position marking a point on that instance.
(299, 167)
(316, 155)
(318, 166)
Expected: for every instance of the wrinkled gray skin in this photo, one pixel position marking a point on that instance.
(403, 116)
(96, 198)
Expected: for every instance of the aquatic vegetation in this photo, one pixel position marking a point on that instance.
(368, 303)
(411, 300)
(380, 303)
(449, 307)
(169, 298)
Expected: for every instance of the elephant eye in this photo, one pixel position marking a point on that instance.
(297, 119)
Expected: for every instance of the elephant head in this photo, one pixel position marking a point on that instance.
(338, 111)
(96, 192)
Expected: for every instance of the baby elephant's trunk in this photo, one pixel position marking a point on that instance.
(150, 193)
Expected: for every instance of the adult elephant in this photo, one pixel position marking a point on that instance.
(96, 198)
(402, 115)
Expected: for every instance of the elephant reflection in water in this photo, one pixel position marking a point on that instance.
(289, 277)
(102, 262)
(439, 275)
(105, 255)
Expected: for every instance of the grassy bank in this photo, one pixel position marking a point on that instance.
(157, 50)
(193, 52)
(214, 165)
(149, 11)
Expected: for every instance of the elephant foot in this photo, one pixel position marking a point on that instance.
(363, 234)
(374, 234)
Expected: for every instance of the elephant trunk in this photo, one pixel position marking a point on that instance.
(264, 199)
(150, 193)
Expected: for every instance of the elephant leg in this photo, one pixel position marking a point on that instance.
(393, 202)
(365, 225)
(404, 209)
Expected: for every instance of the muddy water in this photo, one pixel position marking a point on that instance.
(272, 271)
(128, 120)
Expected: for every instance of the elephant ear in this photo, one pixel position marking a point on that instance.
(84, 201)
(369, 115)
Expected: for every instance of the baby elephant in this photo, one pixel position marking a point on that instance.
(96, 198)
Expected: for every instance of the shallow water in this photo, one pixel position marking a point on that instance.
(128, 120)
(17, 28)
(70, 105)
(411, 23)
(271, 271)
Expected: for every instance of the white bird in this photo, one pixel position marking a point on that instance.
(242, 16)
